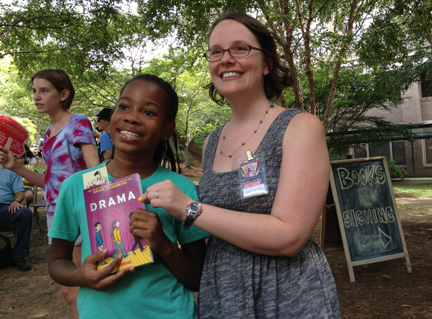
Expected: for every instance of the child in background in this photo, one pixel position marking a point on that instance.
(142, 125)
(31, 159)
(68, 148)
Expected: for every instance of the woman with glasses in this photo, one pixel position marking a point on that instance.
(265, 180)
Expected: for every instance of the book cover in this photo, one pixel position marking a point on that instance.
(108, 207)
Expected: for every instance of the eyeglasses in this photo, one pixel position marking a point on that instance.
(236, 51)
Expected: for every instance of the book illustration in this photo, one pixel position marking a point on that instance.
(95, 177)
(109, 207)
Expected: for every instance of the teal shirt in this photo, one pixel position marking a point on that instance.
(152, 291)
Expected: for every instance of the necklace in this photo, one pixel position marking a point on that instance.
(245, 141)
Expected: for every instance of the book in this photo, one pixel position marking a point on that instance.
(108, 207)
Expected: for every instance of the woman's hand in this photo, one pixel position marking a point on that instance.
(101, 280)
(168, 196)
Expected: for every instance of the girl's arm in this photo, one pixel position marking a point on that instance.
(185, 263)
(90, 153)
(299, 199)
(8, 161)
(62, 269)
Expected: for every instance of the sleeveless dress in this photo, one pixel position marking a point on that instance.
(238, 284)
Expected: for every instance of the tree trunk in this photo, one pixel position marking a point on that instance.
(342, 55)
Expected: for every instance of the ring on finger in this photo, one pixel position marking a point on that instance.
(157, 195)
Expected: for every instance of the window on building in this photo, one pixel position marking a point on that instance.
(426, 85)
(398, 152)
(360, 151)
(394, 151)
(428, 151)
(379, 150)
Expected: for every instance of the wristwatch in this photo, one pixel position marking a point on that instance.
(18, 200)
(193, 210)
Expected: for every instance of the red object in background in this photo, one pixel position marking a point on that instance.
(12, 135)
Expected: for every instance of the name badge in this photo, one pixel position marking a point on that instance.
(252, 177)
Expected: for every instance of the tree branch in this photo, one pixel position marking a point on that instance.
(336, 73)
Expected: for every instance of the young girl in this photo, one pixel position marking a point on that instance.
(68, 147)
(141, 127)
(31, 159)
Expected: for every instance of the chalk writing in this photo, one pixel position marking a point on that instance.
(360, 217)
(364, 176)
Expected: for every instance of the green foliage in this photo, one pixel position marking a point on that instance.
(413, 189)
(396, 171)
(358, 92)
(103, 43)
(75, 36)
(334, 157)
(30, 128)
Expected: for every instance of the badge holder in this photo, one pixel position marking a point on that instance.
(252, 177)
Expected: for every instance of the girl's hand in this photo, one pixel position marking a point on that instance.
(7, 159)
(146, 225)
(101, 279)
(168, 196)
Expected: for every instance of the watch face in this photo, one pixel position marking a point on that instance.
(194, 208)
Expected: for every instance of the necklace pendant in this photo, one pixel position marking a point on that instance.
(243, 143)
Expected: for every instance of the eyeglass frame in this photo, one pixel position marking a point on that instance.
(250, 47)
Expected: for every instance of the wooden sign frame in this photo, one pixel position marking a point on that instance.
(365, 169)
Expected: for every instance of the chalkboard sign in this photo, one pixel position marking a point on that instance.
(367, 214)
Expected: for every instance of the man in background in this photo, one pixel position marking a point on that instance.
(105, 143)
(14, 213)
(40, 147)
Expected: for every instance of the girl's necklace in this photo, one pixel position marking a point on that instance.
(245, 141)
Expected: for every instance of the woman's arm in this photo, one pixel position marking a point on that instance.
(300, 197)
(90, 153)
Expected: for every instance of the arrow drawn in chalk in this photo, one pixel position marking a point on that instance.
(383, 238)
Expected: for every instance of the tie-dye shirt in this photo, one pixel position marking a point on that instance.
(63, 155)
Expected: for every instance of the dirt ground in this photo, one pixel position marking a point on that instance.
(381, 290)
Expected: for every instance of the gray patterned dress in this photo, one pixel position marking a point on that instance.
(238, 284)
